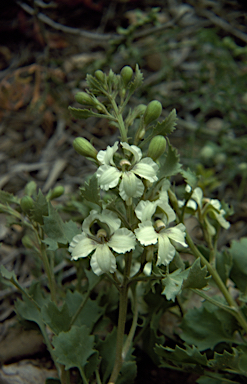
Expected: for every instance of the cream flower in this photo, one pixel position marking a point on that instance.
(101, 232)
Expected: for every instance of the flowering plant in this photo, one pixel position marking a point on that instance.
(131, 246)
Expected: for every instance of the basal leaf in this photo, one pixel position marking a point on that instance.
(107, 350)
(197, 277)
(207, 326)
(91, 191)
(28, 311)
(73, 348)
(228, 360)
(58, 319)
(151, 337)
(182, 356)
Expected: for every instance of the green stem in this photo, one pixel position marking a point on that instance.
(131, 334)
(123, 301)
(119, 117)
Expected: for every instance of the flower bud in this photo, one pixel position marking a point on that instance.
(56, 192)
(152, 112)
(27, 204)
(156, 147)
(84, 98)
(85, 148)
(99, 75)
(126, 74)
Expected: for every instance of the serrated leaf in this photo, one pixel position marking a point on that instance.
(171, 165)
(58, 319)
(137, 82)
(173, 283)
(91, 191)
(190, 177)
(8, 275)
(224, 264)
(182, 356)
(228, 360)
(197, 277)
(79, 113)
(107, 350)
(56, 230)
(128, 373)
(95, 85)
(40, 208)
(8, 198)
(151, 337)
(239, 263)
(28, 311)
(207, 326)
(73, 348)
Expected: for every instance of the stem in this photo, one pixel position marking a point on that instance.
(131, 334)
(119, 117)
(123, 301)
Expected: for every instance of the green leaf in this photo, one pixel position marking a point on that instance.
(188, 356)
(58, 319)
(224, 264)
(8, 275)
(8, 198)
(207, 326)
(232, 361)
(214, 380)
(79, 113)
(190, 177)
(171, 165)
(239, 264)
(56, 230)
(29, 311)
(40, 208)
(107, 350)
(173, 283)
(164, 128)
(151, 337)
(128, 373)
(197, 277)
(95, 85)
(137, 82)
(91, 191)
(73, 348)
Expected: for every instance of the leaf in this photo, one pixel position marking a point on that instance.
(173, 283)
(29, 311)
(197, 277)
(40, 208)
(239, 263)
(107, 350)
(151, 337)
(207, 326)
(188, 356)
(224, 264)
(164, 128)
(190, 177)
(56, 230)
(8, 275)
(79, 113)
(128, 373)
(171, 165)
(73, 348)
(137, 82)
(91, 191)
(8, 198)
(229, 360)
(58, 319)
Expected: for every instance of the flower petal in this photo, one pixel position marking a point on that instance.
(147, 169)
(130, 186)
(146, 234)
(103, 260)
(122, 241)
(177, 234)
(166, 251)
(136, 152)
(111, 219)
(108, 176)
(89, 221)
(106, 157)
(145, 210)
(81, 246)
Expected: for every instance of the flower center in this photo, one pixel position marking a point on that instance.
(101, 234)
(159, 225)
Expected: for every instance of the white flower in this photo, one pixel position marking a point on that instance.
(100, 232)
(152, 233)
(133, 165)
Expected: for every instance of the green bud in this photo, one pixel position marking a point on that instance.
(126, 74)
(85, 148)
(84, 98)
(56, 192)
(157, 147)
(99, 75)
(152, 112)
(27, 204)
(27, 242)
(207, 152)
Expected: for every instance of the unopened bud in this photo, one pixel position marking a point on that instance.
(27, 204)
(56, 192)
(152, 112)
(84, 98)
(126, 74)
(85, 148)
(99, 75)
(156, 147)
